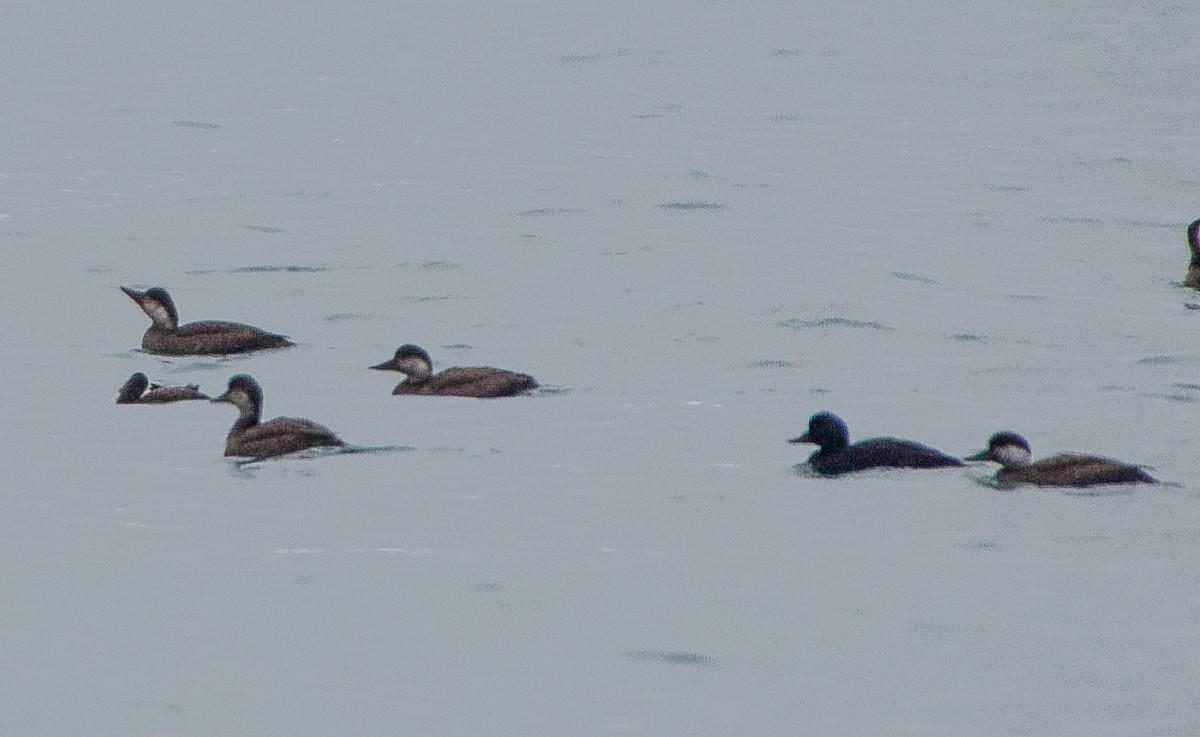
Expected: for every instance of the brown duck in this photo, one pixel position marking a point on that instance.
(461, 381)
(205, 338)
(253, 438)
(139, 390)
(1012, 452)
(1193, 273)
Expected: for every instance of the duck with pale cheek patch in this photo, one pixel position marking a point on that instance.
(835, 454)
(205, 338)
(139, 390)
(461, 381)
(1017, 466)
(253, 438)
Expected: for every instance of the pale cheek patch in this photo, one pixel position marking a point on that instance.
(159, 315)
(413, 366)
(1012, 455)
(240, 399)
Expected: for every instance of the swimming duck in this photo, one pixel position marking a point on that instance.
(1193, 273)
(835, 455)
(250, 437)
(134, 391)
(1012, 452)
(205, 338)
(472, 381)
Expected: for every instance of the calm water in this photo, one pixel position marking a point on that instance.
(697, 225)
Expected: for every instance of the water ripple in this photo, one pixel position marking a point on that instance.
(913, 277)
(691, 206)
(674, 657)
(195, 124)
(285, 268)
(796, 323)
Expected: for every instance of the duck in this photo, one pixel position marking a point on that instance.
(205, 338)
(138, 390)
(1013, 454)
(835, 455)
(461, 381)
(253, 438)
(1193, 273)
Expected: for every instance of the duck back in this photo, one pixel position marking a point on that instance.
(1074, 469)
(164, 394)
(880, 453)
(210, 337)
(279, 436)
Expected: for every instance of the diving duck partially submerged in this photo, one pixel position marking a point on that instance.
(138, 390)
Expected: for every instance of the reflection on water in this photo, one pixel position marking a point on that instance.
(244, 466)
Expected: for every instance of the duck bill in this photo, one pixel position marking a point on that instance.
(134, 294)
(802, 439)
(223, 398)
(980, 456)
(388, 365)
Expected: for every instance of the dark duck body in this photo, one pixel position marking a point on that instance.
(205, 338)
(835, 454)
(253, 438)
(462, 381)
(139, 390)
(1012, 452)
(1193, 273)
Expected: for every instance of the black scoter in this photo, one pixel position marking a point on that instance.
(205, 338)
(252, 438)
(462, 381)
(836, 455)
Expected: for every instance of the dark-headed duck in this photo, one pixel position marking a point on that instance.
(205, 338)
(835, 454)
(463, 381)
(253, 438)
(139, 390)
(1017, 466)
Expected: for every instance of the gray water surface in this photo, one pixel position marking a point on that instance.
(696, 224)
